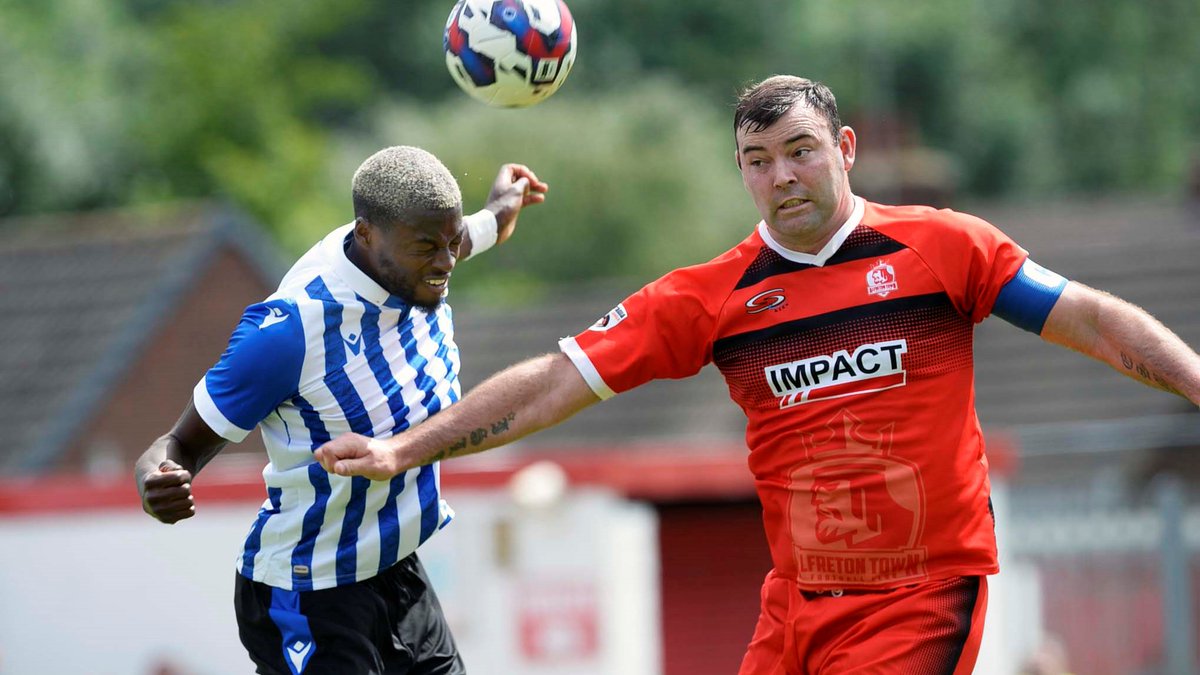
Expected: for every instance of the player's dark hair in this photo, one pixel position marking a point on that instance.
(761, 104)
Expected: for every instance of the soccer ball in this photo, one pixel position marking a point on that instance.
(510, 53)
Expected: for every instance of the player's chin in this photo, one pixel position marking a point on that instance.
(794, 220)
(429, 299)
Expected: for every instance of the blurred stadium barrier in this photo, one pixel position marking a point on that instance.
(1117, 575)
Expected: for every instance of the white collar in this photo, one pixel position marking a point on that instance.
(333, 248)
(826, 252)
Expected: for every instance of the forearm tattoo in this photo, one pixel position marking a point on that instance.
(475, 438)
(1146, 374)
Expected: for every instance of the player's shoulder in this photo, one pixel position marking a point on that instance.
(268, 344)
(274, 323)
(313, 278)
(915, 225)
(720, 274)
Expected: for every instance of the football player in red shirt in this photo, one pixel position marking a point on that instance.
(843, 329)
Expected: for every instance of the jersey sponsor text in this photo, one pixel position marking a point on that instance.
(871, 367)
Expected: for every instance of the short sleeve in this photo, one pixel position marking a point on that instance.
(662, 331)
(259, 370)
(973, 259)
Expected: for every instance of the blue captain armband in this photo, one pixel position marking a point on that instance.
(1026, 300)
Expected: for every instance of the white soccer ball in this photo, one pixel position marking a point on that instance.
(510, 53)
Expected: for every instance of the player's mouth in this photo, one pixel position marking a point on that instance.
(437, 283)
(790, 205)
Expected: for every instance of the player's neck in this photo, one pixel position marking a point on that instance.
(810, 245)
(814, 241)
(358, 256)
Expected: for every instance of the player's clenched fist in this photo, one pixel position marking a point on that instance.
(167, 493)
(516, 186)
(356, 455)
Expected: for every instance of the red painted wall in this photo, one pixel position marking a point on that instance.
(158, 385)
(714, 557)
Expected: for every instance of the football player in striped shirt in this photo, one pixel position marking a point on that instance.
(843, 329)
(358, 339)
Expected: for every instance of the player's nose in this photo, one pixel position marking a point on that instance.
(444, 261)
(784, 175)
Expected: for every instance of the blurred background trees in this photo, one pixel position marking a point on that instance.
(272, 105)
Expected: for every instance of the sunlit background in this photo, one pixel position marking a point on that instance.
(162, 161)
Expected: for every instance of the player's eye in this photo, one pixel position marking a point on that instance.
(800, 152)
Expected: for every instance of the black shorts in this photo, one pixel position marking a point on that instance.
(391, 623)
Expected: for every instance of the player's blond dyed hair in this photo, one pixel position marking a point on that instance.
(400, 181)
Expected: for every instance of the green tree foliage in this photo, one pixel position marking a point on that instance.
(641, 182)
(272, 104)
(110, 103)
(63, 132)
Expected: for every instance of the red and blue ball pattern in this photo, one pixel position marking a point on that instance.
(511, 16)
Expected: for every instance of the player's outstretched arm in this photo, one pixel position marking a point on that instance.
(164, 472)
(1125, 337)
(518, 401)
(516, 186)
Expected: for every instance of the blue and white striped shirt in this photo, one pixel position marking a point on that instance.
(332, 352)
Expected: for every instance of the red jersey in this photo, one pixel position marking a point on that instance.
(854, 368)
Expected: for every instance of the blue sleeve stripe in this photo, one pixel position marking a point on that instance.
(1026, 300)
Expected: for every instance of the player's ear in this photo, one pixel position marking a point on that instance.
(362, 231)
(737, 159)
(847, 144)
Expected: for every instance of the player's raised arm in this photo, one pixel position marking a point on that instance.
(164, 472)
(1125, 337)
(518, 401)
(516, 186)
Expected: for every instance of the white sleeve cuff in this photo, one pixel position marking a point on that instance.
(213, 416)
(590, 375)
(483, 230)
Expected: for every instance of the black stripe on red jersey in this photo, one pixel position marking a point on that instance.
(863, 242)
(732, 343)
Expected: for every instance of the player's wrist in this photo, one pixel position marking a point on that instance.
(483, 229)
(143, 469)
(385, 453)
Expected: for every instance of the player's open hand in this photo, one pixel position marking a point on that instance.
(516, 186)
(356, 455)
(167, 493)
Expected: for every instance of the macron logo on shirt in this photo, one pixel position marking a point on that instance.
(275, 316)
(353, 343)
(298, 654)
